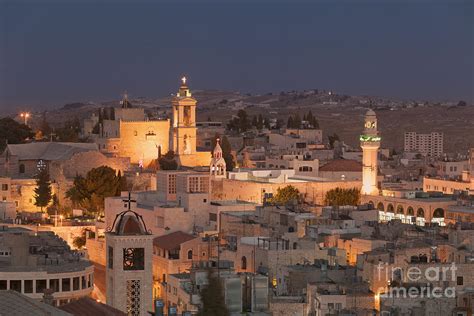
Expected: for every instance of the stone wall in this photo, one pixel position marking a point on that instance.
(96, 250)
(139, 140)
(83, 162)
(313, 192)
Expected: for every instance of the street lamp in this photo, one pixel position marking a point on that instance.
(25, 116)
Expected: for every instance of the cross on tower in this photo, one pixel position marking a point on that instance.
(129, 201)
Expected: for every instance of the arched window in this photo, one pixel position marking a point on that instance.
(380, 207)
(371, 204)
(399, 209)
(420, 212)
(410, 211)
(190, 254)
(438, 213)
(390, 208)
(295, 245)
(243, 263)
(22, 168)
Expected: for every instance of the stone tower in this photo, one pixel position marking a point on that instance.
(370, 143)
(129, 277)
(218, 166)
(184, 121)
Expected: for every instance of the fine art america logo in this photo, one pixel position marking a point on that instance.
(418, 283)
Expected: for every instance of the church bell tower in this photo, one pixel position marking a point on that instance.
(218, 165)
(129, 274)
(184, 121)
(370, 143)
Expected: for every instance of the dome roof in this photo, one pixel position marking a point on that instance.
(129, 223)
(370, 112)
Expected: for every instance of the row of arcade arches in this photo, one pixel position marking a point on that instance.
(409, 214)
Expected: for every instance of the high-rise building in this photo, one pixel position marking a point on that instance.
(426, 144)
(370, 143)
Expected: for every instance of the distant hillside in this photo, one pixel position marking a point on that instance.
(341, 114)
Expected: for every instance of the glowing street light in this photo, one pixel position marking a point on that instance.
(25, 116)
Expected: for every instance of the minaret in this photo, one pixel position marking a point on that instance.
(184, 121)
(129, 277)
(370, 143)
(218, 166)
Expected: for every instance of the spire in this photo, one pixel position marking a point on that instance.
(183, 89)
(124, 101)
(217, 153)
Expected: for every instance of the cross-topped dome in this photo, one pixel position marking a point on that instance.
(129, 223)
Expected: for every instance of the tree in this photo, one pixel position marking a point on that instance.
(212, 297)
(286, 195)
(254, 121)
(44, 127)
(80, 241)
(289, 123)
(167, 161)
(341, 197)
(54, 207)
(70, 131)
(12, 132)
(43, 191)
(239, 123)
(312, 120)
(99, 183)
(297, 121)
(244, 123)
(332, 139)
(260, 122)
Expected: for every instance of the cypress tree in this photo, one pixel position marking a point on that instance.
(212, 297)
(43, 191)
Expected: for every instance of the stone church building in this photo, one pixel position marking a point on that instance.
(132, 134)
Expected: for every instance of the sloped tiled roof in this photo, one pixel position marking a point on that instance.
(86, 307)
(172, 241)
(342, 165)
(49, 150)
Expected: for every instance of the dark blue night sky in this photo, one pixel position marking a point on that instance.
(53, 53)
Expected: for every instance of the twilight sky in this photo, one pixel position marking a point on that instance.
(56, 52)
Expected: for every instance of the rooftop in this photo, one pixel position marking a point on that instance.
(15, 303)
(172, 241)
(342, 165)
(87, 306)
(49, 150)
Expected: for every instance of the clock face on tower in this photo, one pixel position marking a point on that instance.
(370, 124)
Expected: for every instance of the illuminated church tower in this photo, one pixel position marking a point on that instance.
(218, 166)
(129, 277)
(184, 121)
(370, 143)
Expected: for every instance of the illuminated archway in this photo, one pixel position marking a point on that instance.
(390, 208)
(400, 209)
(420, 212)
(380, 207)
(410, 211)
(438, 213)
